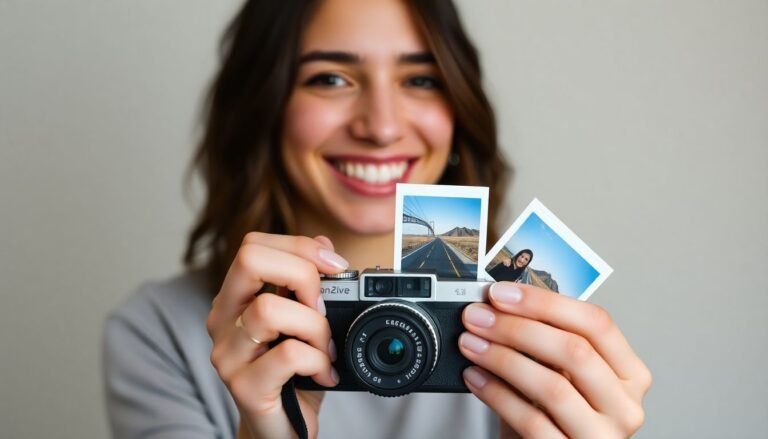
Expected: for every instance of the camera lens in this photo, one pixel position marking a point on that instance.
(392, 347)
(391, 350)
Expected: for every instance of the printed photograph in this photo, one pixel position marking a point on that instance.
(540, 250)
(440, 234)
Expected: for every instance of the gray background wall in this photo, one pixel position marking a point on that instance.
(642, 124)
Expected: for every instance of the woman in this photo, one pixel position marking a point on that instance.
(318, 110)
(510, 270)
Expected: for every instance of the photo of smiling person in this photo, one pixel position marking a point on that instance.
(563, 263)
(511, 269)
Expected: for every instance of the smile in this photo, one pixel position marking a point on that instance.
(370, 176)
(371, 173)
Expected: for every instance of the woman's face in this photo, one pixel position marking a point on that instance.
(522, 260)
(367, 111)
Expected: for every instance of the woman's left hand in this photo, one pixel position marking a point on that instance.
(558, 367)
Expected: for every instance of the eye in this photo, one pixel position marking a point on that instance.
(326, 80)
(428, 82)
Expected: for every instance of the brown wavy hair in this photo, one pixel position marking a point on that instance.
(238, 156)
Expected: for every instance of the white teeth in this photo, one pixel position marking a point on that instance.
(385, 174)
(372, 173)
(359, 171)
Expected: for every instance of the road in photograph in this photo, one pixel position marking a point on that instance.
(440, 257)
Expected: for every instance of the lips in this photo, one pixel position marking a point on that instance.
(371, 176)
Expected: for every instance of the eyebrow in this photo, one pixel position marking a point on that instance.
(352, 58)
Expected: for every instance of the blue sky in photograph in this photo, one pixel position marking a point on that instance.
(553, 255)
(446, 212)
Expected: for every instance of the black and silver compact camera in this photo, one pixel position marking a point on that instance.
(397, 332)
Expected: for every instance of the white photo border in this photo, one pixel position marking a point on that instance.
(448, 191)
(566, 234)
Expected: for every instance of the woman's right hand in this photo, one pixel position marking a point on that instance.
(253, 370)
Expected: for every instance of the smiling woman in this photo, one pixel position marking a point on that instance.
(351, 98)
(364, 115)
(319, 109)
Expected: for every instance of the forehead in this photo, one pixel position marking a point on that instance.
(370, 28)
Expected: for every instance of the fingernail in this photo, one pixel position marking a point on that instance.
(506, 293)
(332, 350)
(473, 343)
(475, 378)
(321, 305)
(480, 316)
(334, 375)
(331, 258)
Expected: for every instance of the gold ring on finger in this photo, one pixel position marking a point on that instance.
(239, 324)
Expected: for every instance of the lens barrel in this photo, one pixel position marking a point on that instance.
(392, 347)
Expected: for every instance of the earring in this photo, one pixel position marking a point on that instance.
(453, 159)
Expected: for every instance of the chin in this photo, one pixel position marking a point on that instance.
(373, 221)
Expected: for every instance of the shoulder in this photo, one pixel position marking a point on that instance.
(166, 317)
(188, 290)
(177, 300)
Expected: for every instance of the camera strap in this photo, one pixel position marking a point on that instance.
(292, 409)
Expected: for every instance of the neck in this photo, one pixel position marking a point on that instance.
(361, 250)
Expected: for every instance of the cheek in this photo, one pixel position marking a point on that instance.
(436, 127)
(307, 125)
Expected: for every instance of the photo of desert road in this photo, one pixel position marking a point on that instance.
(447, 256)
(440, 235)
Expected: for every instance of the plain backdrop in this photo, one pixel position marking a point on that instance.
(642, 124)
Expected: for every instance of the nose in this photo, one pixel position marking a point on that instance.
(378, 119)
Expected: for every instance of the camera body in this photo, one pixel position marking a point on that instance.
(397, 332)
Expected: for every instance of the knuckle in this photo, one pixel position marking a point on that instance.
(578, 350)
(556, 390)
(646, 379)
(210, 323)
(599, 319)
(514, 329)
(244, 259)
(305, 275)
(291, 352)
(217, 358)
(632, 419)
(263, 307)
(515, 325)
(507, 359)
(303, 245)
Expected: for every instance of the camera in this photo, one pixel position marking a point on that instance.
(397, 332)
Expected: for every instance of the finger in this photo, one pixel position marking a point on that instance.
(233, 350)
(253, 266)
(257, 386)
(265, 319)
(520, 415)
(318, 250)
(270, 315)
(562, 350)
(538, 383)
(585, 319)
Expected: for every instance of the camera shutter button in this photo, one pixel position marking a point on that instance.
(346, 274)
